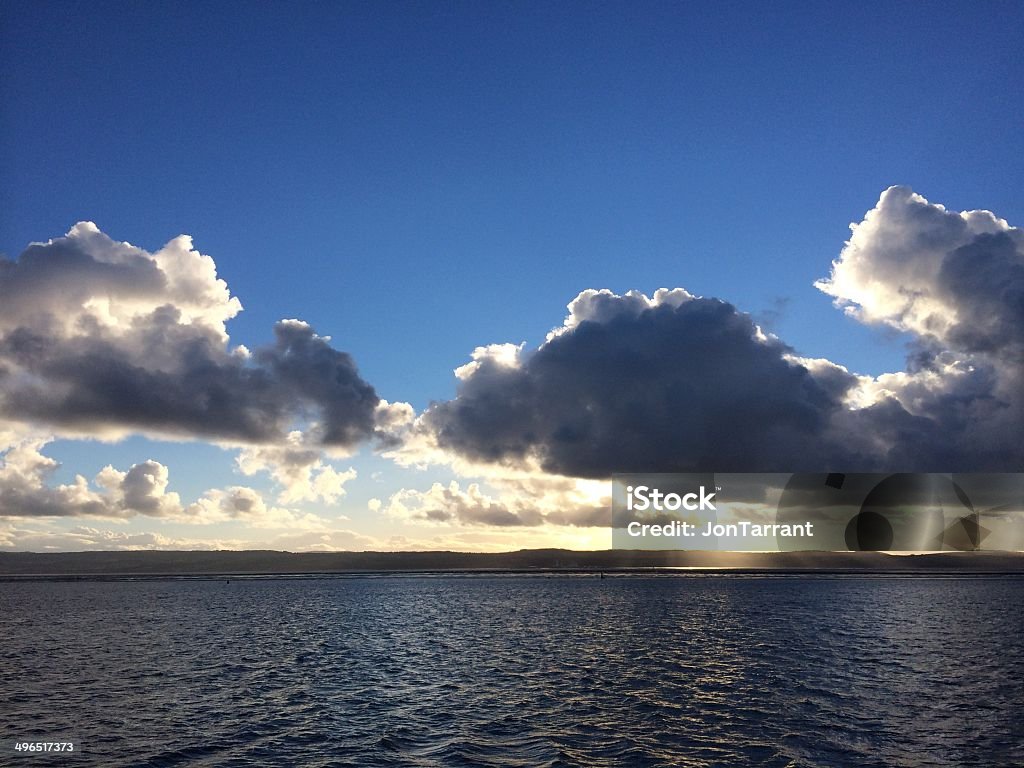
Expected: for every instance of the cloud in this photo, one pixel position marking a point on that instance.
(239, 503)
(298, 469)
(954, 280)
(676, 382)
(46, 536)
(637, 383)
(40, 538)
(101, 338)
(87, 280)
(142, 490)
(24, 490)
(511, 500)
(325, 541)
(446, 504)
(479, 538)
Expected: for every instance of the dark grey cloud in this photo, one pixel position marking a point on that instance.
(984, 281)
(94, 384)
(659, 388)
(678, 383)
(100, 337)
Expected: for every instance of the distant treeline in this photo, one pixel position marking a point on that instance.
(272, 562)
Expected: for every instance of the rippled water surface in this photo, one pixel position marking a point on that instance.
(518, 671)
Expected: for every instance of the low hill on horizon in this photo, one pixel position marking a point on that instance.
(256, 562)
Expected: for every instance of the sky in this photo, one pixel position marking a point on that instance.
(384, 201)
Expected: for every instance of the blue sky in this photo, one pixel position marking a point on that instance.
(419, 179)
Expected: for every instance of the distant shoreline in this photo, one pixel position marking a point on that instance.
(612, 574)
(265, 563)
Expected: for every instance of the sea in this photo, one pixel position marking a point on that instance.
(674, 669)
